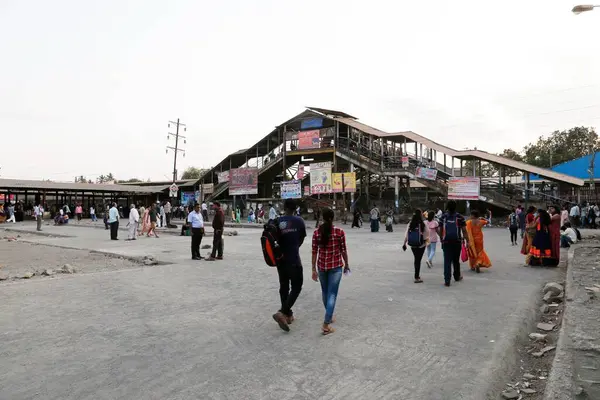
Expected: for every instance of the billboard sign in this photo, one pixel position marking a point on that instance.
(223, 176)
(426, 173)
(308, 140)
(243, 181)
(320, 178)
(291, 190)
(343, 182)
(463, 188)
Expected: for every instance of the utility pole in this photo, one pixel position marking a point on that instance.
(176, 149)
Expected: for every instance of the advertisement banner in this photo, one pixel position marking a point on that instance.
(308, 140)
(291, 190)
(173, 189)
(188, 198)
(306, 191)
(349, 182)
(223, 176)
(404, 162)
(320, 178)
(243, 181)
(208, 188)
(426, 173)
(463, 188)
(347, 179)
(300, 172)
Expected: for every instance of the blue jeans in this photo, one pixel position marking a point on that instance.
(330, 283)
(431, 250)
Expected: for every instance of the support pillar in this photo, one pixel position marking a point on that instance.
(396, 193)
(527, 178)
(352, 193)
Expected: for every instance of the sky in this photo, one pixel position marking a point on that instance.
(88, 87)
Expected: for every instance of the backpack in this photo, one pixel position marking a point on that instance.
(450, 231)
(374, 213)
(513, 220)
(415, 237)
(269, 242)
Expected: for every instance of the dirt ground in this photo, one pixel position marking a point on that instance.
(18, 258)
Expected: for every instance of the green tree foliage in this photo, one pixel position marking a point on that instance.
(131, 180)
(105, 178)
(561, 146)
(193, 173)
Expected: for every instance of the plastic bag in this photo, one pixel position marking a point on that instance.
(464, 254)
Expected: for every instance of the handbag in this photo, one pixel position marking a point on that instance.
(464, 254)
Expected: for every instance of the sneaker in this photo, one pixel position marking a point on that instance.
(281, 319)
(429, 265)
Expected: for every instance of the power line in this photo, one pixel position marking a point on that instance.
(176, 149)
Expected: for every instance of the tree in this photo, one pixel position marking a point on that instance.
(105, 178)
(80, 179)
(193, 173)
(561, 146)
(131, 180)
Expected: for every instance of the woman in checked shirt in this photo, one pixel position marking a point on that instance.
(330, 256)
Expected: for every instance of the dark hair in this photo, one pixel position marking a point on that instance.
(416, 220)
(544, 217)
(475, 213)
(216, 203)
(430, 215)
(289, 205)
(327, 226)
(451, 206)
(567, 224)
(530, 210)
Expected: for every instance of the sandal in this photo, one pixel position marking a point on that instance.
(327, 330)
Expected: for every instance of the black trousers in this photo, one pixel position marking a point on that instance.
(451, 259)
(196, 241)
(217, 248)
(114, 230)
(513, 233)
(418, 253)
(289, 274)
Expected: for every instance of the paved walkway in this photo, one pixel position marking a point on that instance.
(194, 329)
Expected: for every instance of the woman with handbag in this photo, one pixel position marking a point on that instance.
(478, 258)
(417, 237)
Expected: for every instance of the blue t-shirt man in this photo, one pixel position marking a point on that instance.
(292, 232)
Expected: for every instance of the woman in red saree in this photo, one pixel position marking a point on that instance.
(478, 258)
(555, 219)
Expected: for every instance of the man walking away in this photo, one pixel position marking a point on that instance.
(11, 214)
(197, 223)
(134, 220)
(575, 214)
(272, 214)
(204, 211)
(113, 221)
(453, 230)
(153, 219)
(513, 226)
(218, 224)
(292, 232)
(39, 216)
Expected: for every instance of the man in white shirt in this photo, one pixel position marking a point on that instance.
(113, 221)
(168, 212)
(197, 225)
(39, 215)
(575, 214)
(11, 214)
(568, 236)
(204, 211)
(272, 214)
(134, 220)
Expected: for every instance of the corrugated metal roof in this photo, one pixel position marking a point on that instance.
(333, 113)
(181, 182)
(72, 186)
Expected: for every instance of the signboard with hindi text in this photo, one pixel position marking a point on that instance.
(308, 140)
(463, 188)
(320, 178)
(208, 188)
(243, 181)
(291, 190)
(405, 162)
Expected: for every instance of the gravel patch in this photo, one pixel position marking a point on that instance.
(20, 259)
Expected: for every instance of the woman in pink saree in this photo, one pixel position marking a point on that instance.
(145, 221)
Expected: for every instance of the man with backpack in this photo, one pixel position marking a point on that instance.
(291, 232)
(453, 231)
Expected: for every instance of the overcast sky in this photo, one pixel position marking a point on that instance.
(87, 87)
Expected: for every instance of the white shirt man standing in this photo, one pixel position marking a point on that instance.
(39, 216)
(205, 211)
(168, 210)
(575, 215)
(113, 221)
(197, 224)
(134, 220)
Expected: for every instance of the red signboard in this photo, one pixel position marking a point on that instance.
(308, 140)
(243, 181)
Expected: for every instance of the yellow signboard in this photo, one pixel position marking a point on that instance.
(343, 182)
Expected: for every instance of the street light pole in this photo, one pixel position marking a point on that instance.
(176, 149)
(583, 8)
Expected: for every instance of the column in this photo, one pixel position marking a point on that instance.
(396, 193)
(352, 193)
